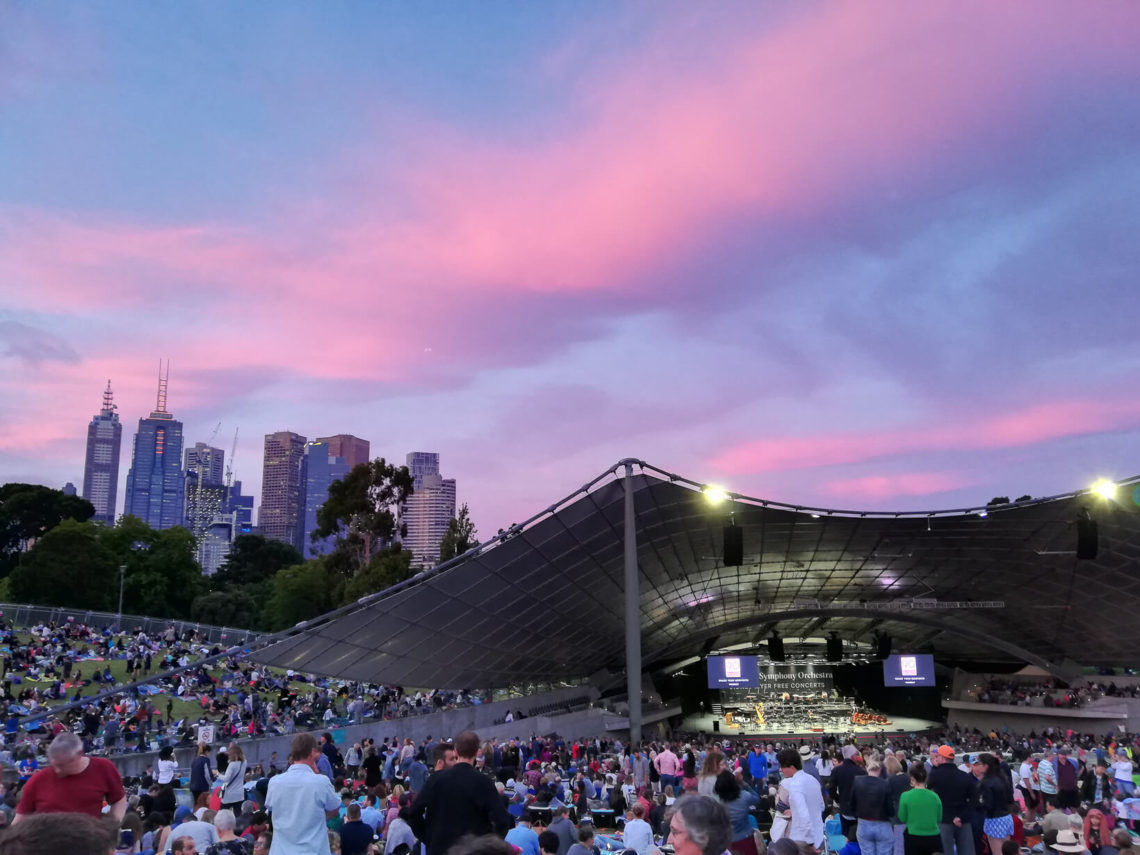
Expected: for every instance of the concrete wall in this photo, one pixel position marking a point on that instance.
(1100, 717)
(480, 718)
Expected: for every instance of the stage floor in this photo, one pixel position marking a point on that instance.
(899, 726)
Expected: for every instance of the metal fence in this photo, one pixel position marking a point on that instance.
(22, 615)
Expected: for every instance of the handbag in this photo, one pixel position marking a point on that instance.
(215, 802)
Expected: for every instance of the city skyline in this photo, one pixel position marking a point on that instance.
(877, 257)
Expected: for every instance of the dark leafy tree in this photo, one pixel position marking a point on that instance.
(68, 567)
(225, 608)
(460, 535)
(361, 510)
(28, 512)
(301, 592)
(387, 568)
(254, 559)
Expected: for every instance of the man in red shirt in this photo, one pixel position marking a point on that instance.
(75, 783)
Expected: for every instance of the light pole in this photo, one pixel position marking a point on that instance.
(122, 578)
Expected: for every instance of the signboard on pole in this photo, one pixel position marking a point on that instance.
(206, 734)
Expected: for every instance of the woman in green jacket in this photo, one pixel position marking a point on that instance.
(920, 810)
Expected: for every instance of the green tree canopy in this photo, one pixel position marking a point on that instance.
(254, 559)
(460, 535)
(28, 512)
(68, 567)
(224, 608)
(301, 592)
(361, 509)
(387, 568)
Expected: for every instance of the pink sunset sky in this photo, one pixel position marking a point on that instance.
(873, 255)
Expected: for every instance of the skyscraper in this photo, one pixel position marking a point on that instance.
(321, 468)
(155, 489)
(428, 510)
(280, 514)
(352, 449)
(205, 492)
(206, 460)
(101, 469)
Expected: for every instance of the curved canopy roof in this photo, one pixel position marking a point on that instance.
(543, 601)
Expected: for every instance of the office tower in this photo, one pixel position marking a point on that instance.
(429, 510)
(69, 489)
(101, 469)
(155, 488)
(321, 468)
(352, 449)
(241, 507)
(207, 460)
(280, 514)
(205, 492)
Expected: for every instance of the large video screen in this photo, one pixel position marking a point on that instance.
(908, 669)
(733, 672)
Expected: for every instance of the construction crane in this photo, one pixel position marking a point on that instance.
(230, 463)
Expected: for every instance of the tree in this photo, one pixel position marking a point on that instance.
(387, 568)
(28, 512)
(301, 592)
(225, 608)
(254, 559)
(68, 567)
(167, 578)
(361, 509)
(460, 536)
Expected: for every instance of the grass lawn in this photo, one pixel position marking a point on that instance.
(190, 709)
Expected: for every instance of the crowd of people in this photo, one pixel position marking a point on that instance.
(964, 793)
(1048, 693)
(50, 665)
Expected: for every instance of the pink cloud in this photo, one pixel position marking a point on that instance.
(1032, 425)
(875, 488)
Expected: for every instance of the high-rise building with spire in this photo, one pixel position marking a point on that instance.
(155, 482)
(280, 514)
(428, 510)
(320, 469)
(101, 468)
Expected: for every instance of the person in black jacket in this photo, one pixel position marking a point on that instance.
(995, 798)
(457, 801)
(957, 790)
(871, 800)
(842, 787)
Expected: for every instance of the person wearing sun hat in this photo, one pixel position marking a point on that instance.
(1069, 841)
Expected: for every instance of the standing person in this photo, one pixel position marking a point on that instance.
(920, 810)
(739, 800)
(1047, 777)
(995, 799)
(668, 768)
(564, 829)
(713, 766)
(758, 765)
(232, 781)
(355, 834)
(200, 773)
(898, 781)
(73, 783)
(805, 801)
(300, 800)
(457, 801)
(957, 791)
(871, 800)
(843, 787)
(353, 759)
(1068, 795)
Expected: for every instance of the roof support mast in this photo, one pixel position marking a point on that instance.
(632, 611)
